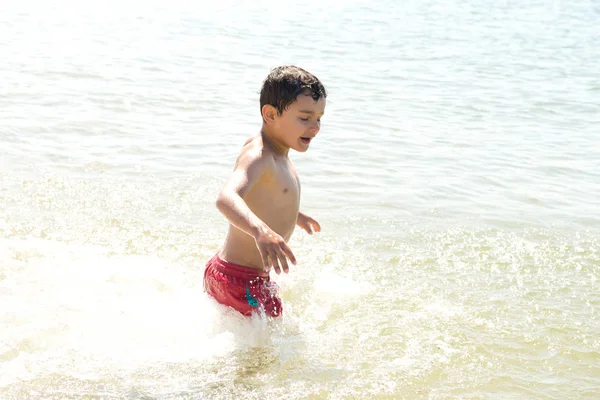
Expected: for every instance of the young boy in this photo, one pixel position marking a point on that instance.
(261, 199)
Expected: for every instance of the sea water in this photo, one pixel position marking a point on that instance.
(456, 178)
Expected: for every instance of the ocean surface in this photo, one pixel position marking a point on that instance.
(456, 178)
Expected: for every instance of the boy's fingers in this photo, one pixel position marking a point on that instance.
(317, 226)
(267, 260)
(274, 262)
(284, 264)
(286, 249)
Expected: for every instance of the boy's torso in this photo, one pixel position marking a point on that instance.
(275, 199)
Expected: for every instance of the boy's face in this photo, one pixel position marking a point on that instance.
(297, 126)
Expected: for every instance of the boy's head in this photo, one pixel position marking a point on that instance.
(284, 84)
(292, 102)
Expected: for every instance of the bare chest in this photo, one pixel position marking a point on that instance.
(285, 186)
(276, 198)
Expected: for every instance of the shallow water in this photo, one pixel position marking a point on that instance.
(456, 178)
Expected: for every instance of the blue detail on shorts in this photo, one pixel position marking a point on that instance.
(251, 300)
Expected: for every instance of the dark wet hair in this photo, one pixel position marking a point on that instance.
(284, 84)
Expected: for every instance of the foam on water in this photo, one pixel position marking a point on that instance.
(118, 310)
(83, 317)
(77, 313)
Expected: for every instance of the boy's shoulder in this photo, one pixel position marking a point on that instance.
(254, 154)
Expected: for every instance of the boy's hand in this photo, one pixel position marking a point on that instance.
(307, 223)
(274, 251)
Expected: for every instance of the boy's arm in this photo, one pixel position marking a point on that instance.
(251, 165)
(307, 223)
(248, 170)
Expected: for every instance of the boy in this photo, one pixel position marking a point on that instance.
(261, 199)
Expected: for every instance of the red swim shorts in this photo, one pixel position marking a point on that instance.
(245, 289)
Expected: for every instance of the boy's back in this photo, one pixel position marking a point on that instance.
(261, 198)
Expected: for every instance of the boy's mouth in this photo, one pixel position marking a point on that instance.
(305, 140)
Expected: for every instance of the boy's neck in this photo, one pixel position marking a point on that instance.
(272, 143)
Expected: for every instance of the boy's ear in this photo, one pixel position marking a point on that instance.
(269, 113)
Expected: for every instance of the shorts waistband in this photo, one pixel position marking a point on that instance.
(239, 271)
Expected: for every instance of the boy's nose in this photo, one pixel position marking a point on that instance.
(315, 127)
